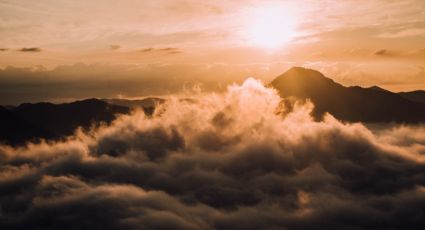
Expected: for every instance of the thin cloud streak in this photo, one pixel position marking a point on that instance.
(30, 49)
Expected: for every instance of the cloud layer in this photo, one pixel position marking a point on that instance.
(236, 160)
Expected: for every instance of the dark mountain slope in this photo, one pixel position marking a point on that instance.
(147, 104)
(63, 119)
(378, 88)
(15, 130)
(53, 121)
(418, 95)
(347, 103)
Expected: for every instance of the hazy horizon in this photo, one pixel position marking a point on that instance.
(80, 81)
(361, 43)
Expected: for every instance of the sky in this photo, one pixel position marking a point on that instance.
(353, 42)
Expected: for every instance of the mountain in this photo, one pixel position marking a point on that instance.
(63, 119)
(418, 96)
(347, 103)
(378, 88)
(15, 130)
(53, 121)
(147, 104)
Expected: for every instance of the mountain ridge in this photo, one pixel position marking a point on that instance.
(417, 95)
(33, 121)
(355, 104)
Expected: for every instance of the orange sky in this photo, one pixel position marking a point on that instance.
(355, 42)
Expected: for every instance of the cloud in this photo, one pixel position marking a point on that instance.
(408, 32)
(240, 159)
(418, 54)
(168, 50)
(382, 52)
(145, 50)
(171, 50)
(30, 49)
(114, 47)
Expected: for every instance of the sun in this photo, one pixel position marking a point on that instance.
(270, 27)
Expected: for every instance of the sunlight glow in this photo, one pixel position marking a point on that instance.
(270, 27)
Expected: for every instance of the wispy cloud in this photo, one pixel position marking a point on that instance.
(114, 47)
(412, 32)
(30, 49)
(167, 50)
(383, 52)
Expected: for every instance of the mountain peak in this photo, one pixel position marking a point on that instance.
(301, 71)
(300, 76)
(347, 103)
(378, 88)
(302, 82)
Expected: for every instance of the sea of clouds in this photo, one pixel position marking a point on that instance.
(241, 159)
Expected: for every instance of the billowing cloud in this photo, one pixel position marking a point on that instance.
(234, 160)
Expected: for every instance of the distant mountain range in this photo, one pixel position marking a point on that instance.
(31, 122)
(147, 104)
(53, 121)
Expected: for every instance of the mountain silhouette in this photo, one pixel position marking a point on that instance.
(378, 88)
(16, 130)
(347, 103)
(146, 104)
(418, 96)
(53, 121)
